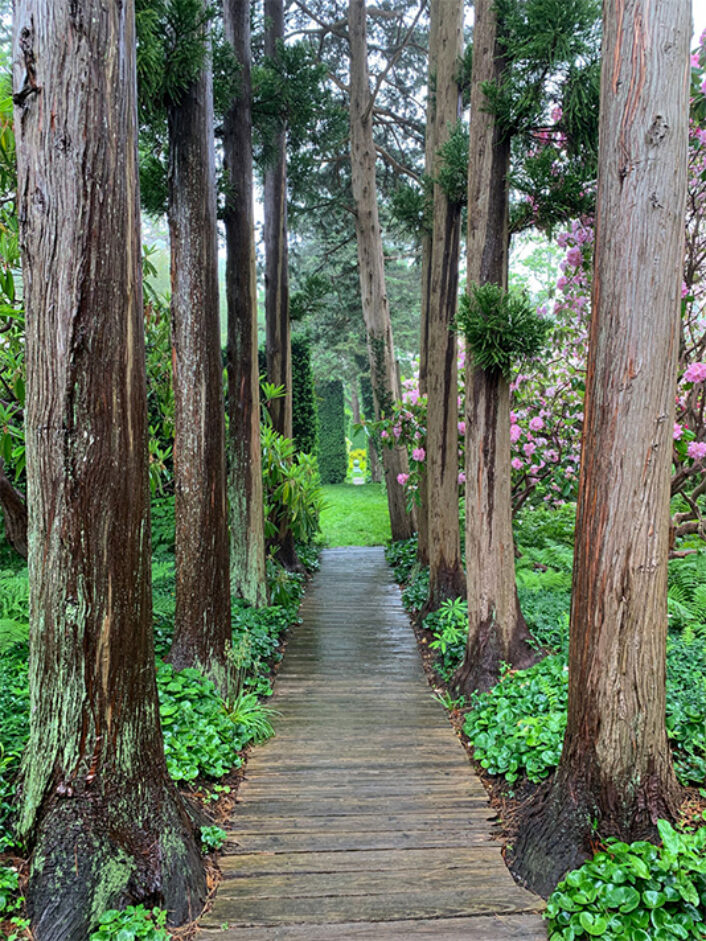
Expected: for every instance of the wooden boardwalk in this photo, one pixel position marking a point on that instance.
(362, 818)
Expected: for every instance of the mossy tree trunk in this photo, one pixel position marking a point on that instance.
(247, 525)
(202, 615)
(615, 769)
(447, 578)
(497, 630)
(278, 329)
(104, 824)
(383, 372)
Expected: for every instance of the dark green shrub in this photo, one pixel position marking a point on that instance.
(635, 892)
(304, 415)
(333, 457)
(292, 492)
(449, 625)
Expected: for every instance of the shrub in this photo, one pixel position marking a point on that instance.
(292, 491)
(449, 624)
(304, 411)
(636, 892)
(134, 922)
(333, 457)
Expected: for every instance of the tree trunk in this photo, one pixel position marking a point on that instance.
(279, 347)
(247, 527)
(447, 578)
(14, 512)
(429, 151)
(105, 825)
(202, 615)
(616, 770)
(497, 630)
(371, 263)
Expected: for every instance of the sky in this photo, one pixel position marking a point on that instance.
(699, 10)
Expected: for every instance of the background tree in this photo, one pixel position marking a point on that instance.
(95, 788)
(279, 352)
(202, 613)
(446, 575)
(247, 533)
(616, 770)
(371, 261)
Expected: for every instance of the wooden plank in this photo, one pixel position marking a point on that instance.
(479, 928)
(248, 841)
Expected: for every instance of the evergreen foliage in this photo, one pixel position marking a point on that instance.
(304, 416)
(332, 435)
(502, 328)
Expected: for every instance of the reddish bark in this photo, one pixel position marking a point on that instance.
(616, 769)
(104, 823)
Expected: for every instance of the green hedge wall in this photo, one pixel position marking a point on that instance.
(304, 410)
(333, 458)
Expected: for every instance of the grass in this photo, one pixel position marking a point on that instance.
(355, 515)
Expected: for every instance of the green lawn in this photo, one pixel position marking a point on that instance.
(355, 515)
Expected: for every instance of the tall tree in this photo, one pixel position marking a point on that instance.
(371, 263)
(247, 534)
(103, 821)
(278, 330)
(430, 148)
(446, 575)
(615, 769)
(202, 613)
(497, 630)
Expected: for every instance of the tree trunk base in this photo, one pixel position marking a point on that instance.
(90, 857)
(285, 553)
(481, 668)
(447, 584)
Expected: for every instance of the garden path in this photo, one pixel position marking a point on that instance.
(362, 818)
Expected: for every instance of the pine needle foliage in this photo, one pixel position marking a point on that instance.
(502, 328)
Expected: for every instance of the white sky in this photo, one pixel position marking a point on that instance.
(699, 8)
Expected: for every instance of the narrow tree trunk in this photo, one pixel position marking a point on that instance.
(497, 630)
(446, 576)
(279, 347)
(14, 513)
(429, 151)
(371, 263)
(616, 768)
(202, 616)
(104, 823)
(247, 532)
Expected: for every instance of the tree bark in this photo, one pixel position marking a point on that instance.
(429, 151)
(104, 823)
(247, 533)
(371, 266)
(447, 578)
(202, 615)
(497, 630)
(616, 769)
(279, 346)
(14, 513)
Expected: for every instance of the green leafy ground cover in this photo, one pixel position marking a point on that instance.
(204, 734)
(627, 893)
(355, 515)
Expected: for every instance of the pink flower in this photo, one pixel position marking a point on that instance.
(515, 432)
(695, 372)
(462, 428)
(384, 434)
(461, 478)
(536, 424)
(402, 479)
(516, 463)
(678, 431)
(684, 290)
(556, 113)
(397, 431)
(529, 448)
(419, 454)
(574, 257)
(697, 450)
(695, 60)
(552, 456)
